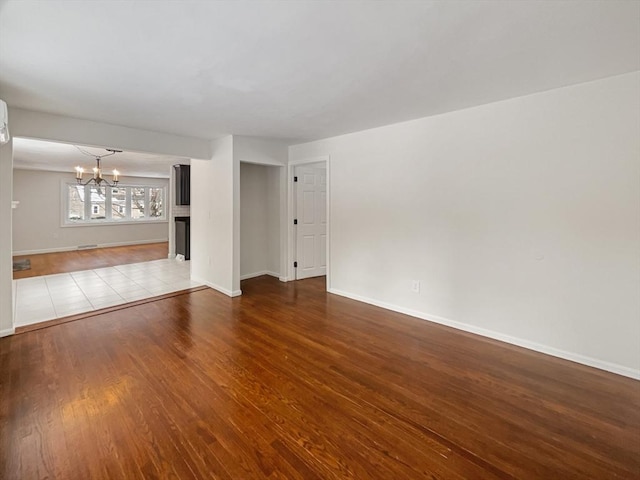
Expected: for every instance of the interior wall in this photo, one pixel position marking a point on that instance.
(37, 222)
(263, 151)
(47, 126)
(215, 219)
(520, 219)
(259, 220)
(216, 203)
(6, 263)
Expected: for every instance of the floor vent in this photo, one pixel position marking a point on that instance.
(86, 247)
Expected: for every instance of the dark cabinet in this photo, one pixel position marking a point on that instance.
(183, 184)
(183, 234)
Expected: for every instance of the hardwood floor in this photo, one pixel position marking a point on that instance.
(73, 261)
(288, 381)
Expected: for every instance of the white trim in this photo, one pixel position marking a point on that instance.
(328, 231)
(7, 331)
(283, 279)
(246, 276)
(291, 238)
(76, 247)
(538, 347)
(112, 223)
(229, 293)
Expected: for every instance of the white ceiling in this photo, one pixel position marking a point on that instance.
(303, 69)
(32, 154)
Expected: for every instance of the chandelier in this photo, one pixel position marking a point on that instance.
(97, 177)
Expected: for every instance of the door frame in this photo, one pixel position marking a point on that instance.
(291, 203)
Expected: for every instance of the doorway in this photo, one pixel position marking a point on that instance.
(81, 246)
(309, 219)
(310, 185)
(260, 220)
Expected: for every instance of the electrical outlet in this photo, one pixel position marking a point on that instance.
(415, 286)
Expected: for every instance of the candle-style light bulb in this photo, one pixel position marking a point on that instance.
(79, 172)
(96, 172)
(116, 173)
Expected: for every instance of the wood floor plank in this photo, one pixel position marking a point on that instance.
(76, 260)
(289, 381)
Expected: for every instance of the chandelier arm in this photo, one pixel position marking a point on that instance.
(93, 180)
(89, 154)
(112, 151)
(97, 179)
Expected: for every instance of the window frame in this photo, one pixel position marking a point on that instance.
(109, 221)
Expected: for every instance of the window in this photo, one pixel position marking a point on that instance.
(137, 202)
(88, 204)
(75, 203)
(119, 203)
(98, 202)
(155, 202)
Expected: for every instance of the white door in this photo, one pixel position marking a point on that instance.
(311, 218)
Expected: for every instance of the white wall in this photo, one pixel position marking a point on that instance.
(521, 219)
(37, 222)
(263, 151)
(46, 126)
(215, 207)
(6, 263)
(259, 220)
(215, 219)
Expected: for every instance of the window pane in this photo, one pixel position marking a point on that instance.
(76, 202)
(156, 207)
(118, 203)
(98, 203)
(137, 202)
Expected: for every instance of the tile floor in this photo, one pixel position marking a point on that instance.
(38, 299)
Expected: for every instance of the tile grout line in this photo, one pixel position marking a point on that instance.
(55, 312)
(172, 279)
(80, 288)
(51, 295)
(106, 283)
(131, 279)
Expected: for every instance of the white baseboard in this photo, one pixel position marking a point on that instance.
(230, 293)
(75, 247)
(555, 352)
(7, 331)
(283, 279)
(259, 274)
